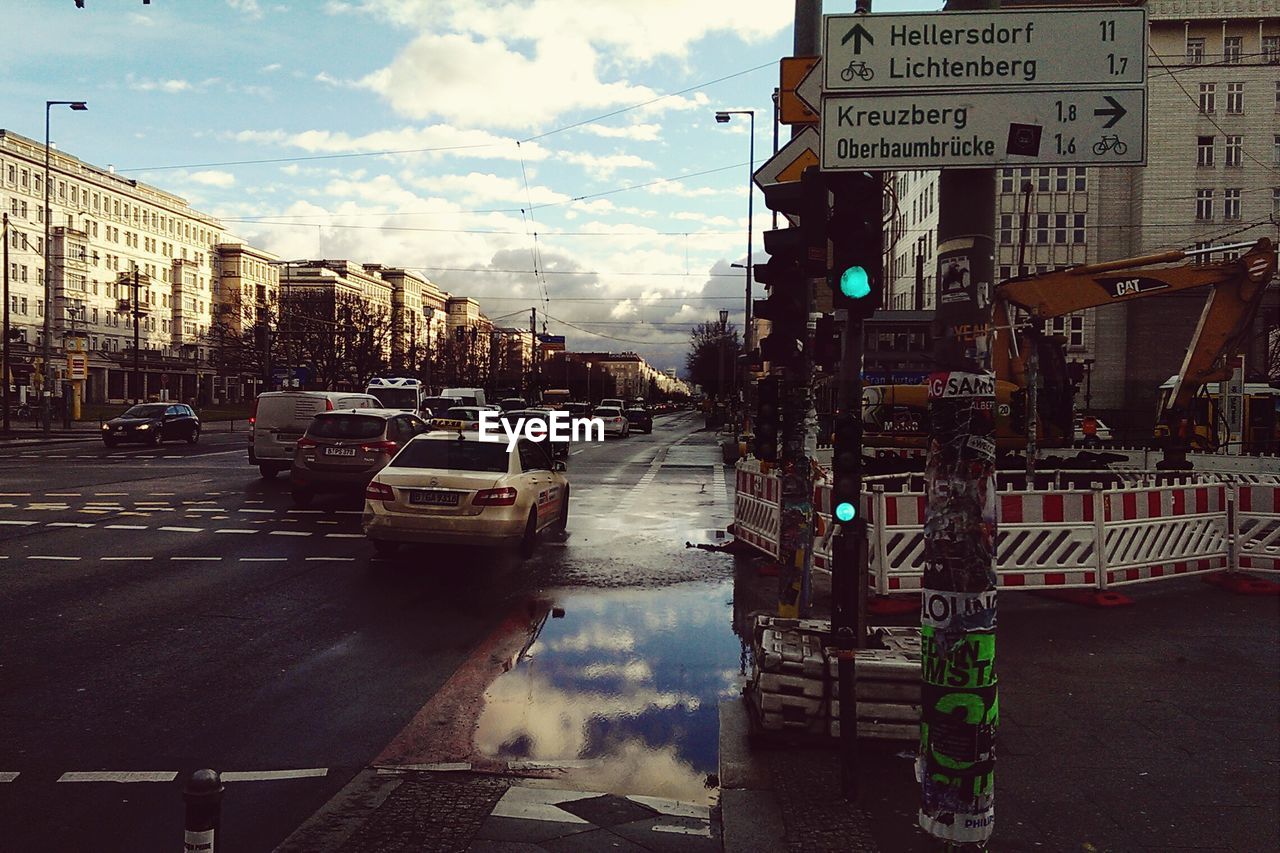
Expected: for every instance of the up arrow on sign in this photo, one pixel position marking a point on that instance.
(857, 33)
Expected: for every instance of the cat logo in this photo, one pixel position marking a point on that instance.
(1123, 287)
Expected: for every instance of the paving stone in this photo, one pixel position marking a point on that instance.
(520, 829)
(671, 834)
(429, 813)
(589, 842)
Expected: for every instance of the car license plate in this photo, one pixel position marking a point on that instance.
(339, 451)
(444, 423)
(434, 498)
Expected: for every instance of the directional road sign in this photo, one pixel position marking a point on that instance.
(790, 161)
(999, 49)
(932, 130)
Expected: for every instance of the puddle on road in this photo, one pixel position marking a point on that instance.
(622, 693)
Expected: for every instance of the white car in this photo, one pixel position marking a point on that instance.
(615, 422)
(451, 488)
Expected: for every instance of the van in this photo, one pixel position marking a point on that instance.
(470, 396)
(397, 392)
(280, 418)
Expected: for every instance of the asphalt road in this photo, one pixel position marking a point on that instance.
(165, 609)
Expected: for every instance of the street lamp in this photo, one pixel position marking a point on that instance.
(46, 387)
(723, 117)
(588, 382)
(724, 319)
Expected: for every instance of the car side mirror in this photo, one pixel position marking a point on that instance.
(559, 466)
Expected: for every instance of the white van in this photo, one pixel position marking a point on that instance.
(397, 392)
(280, 418)
(470, 396)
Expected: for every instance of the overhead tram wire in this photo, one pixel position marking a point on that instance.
(386, 152)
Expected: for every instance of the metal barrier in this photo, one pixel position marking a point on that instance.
(1140, 527)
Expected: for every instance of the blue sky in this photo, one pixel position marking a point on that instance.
(509, 118)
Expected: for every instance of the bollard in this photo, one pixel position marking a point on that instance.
(203, 796)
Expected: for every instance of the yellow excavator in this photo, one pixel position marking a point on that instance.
(896, 416)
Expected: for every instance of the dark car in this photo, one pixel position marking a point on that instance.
(578, 410)
(640, 419)
(512, 404)
(152, 423)
(343, 450)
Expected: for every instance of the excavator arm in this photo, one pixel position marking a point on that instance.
(1229, 311)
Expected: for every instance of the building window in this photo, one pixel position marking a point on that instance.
(1275, 203)
(1006, 180)
(1006, 229)
(1060, 179)
(1079, 179)
(1070, 327)
(1060, 228)
(1231, 48)
(1195, 51)
(1233, 151)
(1271, 50)
(1042, 228)
(1042, 180)
(1206, 97)
(1005, 273)
(1231, 204)
(1204, 204)
(1235, 98)
(1204, 151)
(1077, 228)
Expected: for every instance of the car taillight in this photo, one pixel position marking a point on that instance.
(505, 496)
(306, 442)
(379, 447)
(376, 491)
(328, 405)
(253, 412)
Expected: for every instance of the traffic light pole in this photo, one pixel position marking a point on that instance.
(959, 711)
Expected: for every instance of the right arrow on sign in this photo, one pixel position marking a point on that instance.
(1116, 111)
(857, 33)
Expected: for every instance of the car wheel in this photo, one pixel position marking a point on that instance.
(563, 523)
(302, 498)
(385, 548)
(194, 436)
(268, 472)
(530, 539)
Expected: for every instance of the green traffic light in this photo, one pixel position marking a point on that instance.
(845, 511)
(854, 283)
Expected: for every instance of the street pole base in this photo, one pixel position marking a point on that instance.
(1242, 584)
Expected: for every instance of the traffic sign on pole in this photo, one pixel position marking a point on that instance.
(792, 109)
(1010, 48)
(932, 130)
(791, 160)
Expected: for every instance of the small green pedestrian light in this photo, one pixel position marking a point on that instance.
(845, 511)
(854, 283)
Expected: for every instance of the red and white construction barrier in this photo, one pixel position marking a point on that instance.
(1082, 539)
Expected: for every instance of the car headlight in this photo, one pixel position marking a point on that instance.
(144, 426)
(105, 426)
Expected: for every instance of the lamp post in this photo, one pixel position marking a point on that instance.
(723, 117)
(588, 382)
(46, 387)
(724, 320)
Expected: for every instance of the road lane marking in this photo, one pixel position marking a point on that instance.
(17, 523)
(264, 559)
(305, 511)
(273, 775)
(122, 559)
(7, 776)
(126, 527)
(62, 494)
(70, 524)
(331, 559)
(119, 776)
(344, 535)
(161, 494)
(289, 532)
(233, 530)
(63, 559)
(184, 529)
(110, 494)
(205, 509)
(195, 559)
(15, 494)
(258, 510)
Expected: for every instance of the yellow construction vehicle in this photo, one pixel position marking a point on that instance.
(896, 416)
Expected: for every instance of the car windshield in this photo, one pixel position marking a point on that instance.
(451, 455)
(458, 413)
(148, 411)
(608, 412)
(346, 426)
(397, 398)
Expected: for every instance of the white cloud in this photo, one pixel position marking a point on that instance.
(604, 166)
(478, 187)
(143, 84)
(213, 178)
(329, 80)
(268, 69)
(248, 7)
(441, 138)
(635, 132)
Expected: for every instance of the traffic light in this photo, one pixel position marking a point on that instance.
(795, 256)
(768, 420)
(846, 483)
(826, 344)
(856, 277)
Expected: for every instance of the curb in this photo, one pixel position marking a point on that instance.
(345, 813)
(750, 817)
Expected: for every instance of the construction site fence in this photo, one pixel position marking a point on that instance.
(1122, 527)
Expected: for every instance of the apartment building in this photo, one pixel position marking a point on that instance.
(419, 316)
(110, 237)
